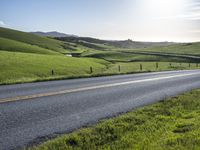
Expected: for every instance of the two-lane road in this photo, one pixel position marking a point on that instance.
(34, 110)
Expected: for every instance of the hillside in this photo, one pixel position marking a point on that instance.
(182, 48)
(31, 39)
(53, 34)
(117, 44)
(16, 46)
(123, 56)
(17, 41)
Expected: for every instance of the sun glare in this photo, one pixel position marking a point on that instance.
(163, 7)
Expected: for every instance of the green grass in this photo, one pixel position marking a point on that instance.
(186, 48)
(17, 41)
(149, 67)
(32, 39)
(24, 66)
(18, 67)
(168, 125)
(115, 56)
(15, 46)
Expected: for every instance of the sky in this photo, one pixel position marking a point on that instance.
(139, 20)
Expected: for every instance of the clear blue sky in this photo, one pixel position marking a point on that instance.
(146, 20)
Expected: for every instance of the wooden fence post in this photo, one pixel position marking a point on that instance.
(156, 66)
(52, 72)
(91, 70)
(119, 68)
(140, 67)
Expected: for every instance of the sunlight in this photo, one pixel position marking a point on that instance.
(163, 7)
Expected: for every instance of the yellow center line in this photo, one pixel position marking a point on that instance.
(28, 97)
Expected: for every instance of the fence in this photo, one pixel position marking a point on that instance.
(141, 67)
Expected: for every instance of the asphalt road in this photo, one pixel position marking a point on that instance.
(33, 111)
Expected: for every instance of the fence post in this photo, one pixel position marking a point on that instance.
(140, 67)
(52, 72)
(189, 65)
(156, 66)
(197, 65)
(91, 70)
(119, 68)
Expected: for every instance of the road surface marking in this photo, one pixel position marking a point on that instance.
(27, 97)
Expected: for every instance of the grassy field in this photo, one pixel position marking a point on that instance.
(168, 125)
(115, 56)
(184, 48)
(149, 67)
(23, 67)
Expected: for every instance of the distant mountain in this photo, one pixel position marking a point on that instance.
(54, 34)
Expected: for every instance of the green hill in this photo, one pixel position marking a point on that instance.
(183, 48)
(31, 39)
(16, 46)
(113, 43)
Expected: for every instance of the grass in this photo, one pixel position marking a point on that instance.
(149, 67)
(32, 39)
(18, 67)
(17, 41)
(168, 125)
(15, 46)
(115, 56)
(184, 48)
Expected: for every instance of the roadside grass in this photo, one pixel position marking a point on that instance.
(18, 67)
(170, 124)
(150, 67)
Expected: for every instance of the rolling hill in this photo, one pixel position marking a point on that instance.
(181, 48)
(53, 34)
(16, 46)
(34, 40)
(116, 44)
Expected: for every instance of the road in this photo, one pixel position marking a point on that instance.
(31, 112)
